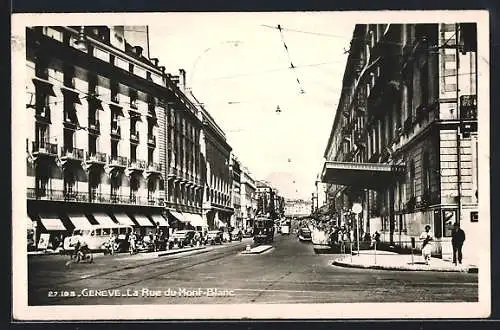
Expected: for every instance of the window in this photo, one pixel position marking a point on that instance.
(426, 172)
(114, 149)
(424, 83)
(150, 155)
(92, 144)
(468, 37)
(412, 179)
(474, 216)
(68, 139)
(41, 67)
(133, 152)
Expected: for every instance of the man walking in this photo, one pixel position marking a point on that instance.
(457, 241)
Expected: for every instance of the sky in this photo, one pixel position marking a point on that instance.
(238, 67)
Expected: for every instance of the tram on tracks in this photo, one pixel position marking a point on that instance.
(263, 230)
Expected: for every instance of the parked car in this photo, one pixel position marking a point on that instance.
(214, 237)
(181, 238)
(237, 235)
(304, 234)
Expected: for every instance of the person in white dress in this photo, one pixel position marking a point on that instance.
(426, 238)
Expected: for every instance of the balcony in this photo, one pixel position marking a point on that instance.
(408, 125)
(69, 153)
(136, 164)
(43, 115)
(117, 161)
(468, 107)
(96, 158)
(116, 131)
(152, 140)
(42, 148)
(154, 167)
(359, 138)
(95, 126)
(134, 136)
(57, 195)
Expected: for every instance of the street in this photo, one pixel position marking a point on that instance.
(289, 273)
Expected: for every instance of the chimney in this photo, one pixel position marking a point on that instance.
(182, 79)
(138, 51)
(155, 61)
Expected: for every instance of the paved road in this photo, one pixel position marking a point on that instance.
(288, 273)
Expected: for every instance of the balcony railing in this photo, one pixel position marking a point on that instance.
(93, 197)
(137, 164)
(72, 153)
(134, 136)
(151, 139)
(96, 157)
(115, 130)
(46, 148)
(43, 114)
(95, 125)
(154, 167)
(117, 161)
(468, 107)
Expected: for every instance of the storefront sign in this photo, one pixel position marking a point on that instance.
(43, 243)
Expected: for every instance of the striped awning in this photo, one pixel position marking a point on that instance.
(124, 219)
(103, 219)
(159, 219)
(179, 216)
(52, 223)
(79, 220)
(143, 220)
(196, 220)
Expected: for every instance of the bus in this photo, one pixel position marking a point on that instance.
(97, 235)
(263, 230)
(285, 227)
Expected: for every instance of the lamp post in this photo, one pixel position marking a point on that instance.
(357, 209)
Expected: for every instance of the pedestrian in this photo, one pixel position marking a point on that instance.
(375, 239)
(426, 238)
(457, 241)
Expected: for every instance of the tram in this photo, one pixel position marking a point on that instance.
(263, 230)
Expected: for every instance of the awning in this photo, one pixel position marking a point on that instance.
(79, 221)
(158, 218)
(118, 109)
(179, 216)
(124, 219)
(29, 223)
(196, 220)
(143, 220)
(44, 86)
(363, 175)
(104, 219)
(52, 223)
(71, 94)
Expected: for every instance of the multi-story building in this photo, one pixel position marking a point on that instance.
(95, 148)
(216, 174)
(404, 138)
(297, 207)
(248, 198)
(184, 159)
(269, 202)
(237, 217)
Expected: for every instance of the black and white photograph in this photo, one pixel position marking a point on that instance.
(250, 165)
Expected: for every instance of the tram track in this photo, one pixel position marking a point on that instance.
(216, 256)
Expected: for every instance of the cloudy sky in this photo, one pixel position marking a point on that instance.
(238, 66)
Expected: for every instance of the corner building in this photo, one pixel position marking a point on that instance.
(404, 139)
(96, 109)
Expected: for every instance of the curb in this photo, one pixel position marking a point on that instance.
(349, 265)
(260, 252)
(168, 253)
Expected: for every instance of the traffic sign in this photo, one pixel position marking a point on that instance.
(357, 208)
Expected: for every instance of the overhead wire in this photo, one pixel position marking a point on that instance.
(292, 66)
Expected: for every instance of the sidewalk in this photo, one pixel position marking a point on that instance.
(393, 261)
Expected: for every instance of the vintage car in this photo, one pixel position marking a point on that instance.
(181, 238)
(304, 234)
(214, 237)
(237, 235)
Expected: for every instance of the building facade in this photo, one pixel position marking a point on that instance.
(216, 174)
(95, 115)
(248, 198)
(237, 217)
(404, 138)
(297, 207)
(269, 202)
